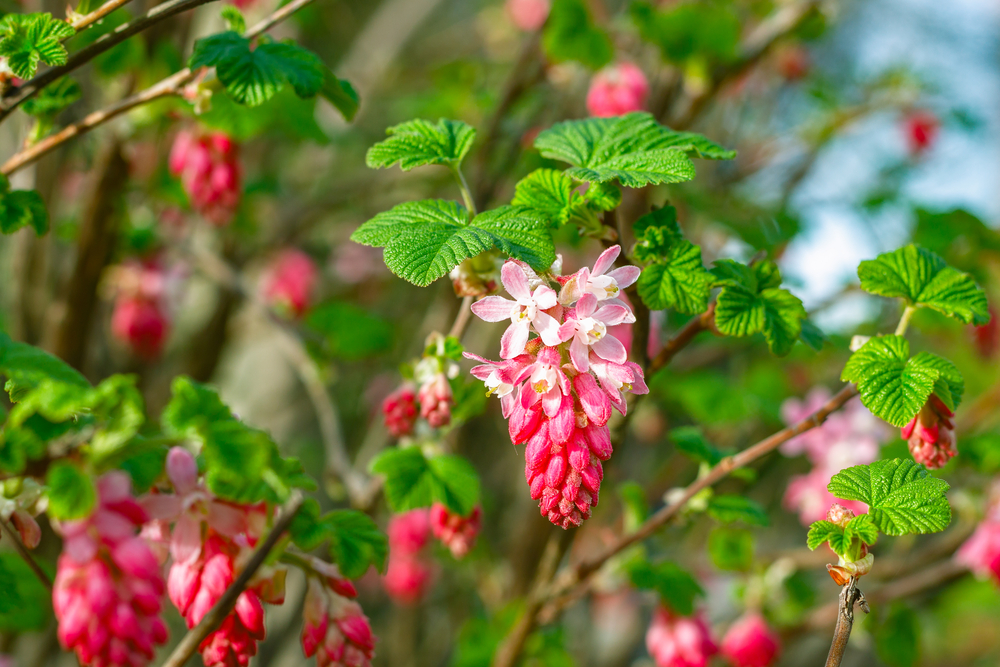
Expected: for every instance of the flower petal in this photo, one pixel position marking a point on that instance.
(493, 308)
(514, 339)
(625, 275)
(545, 297)
(610, 348)
(606, 260)
(550, 330)
(611, 315)
(514, 281)
(579, 354)
(586, 306)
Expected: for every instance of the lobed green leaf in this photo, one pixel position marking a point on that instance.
(420, 142)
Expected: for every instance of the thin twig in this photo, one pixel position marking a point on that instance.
(22, 551)
(850, 595)
(86, 20)
(585, 568)
(171, 85)
(189, 643)
(687, 333)
(462, 319)
(31, 88)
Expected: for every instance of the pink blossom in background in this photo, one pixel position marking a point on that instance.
(617, 90)
(209, 169)
(435, 398)
(408, 573)
(981, 552)
(399, 410)
(930, 435)
(528, 15)
(141, 315)
(921, 128)
(750, 642)
(289, 282)
(679, 641)
(849, 437)
(108, 591)
(987, 336)
(455, 531)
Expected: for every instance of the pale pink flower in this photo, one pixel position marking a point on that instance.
(500, 377)
(616, 379)
(603, 283)
(289, 282)
(544, 381)
(617, 90)
(679, 641)
(587, 329)
(528, 15)
(527, 310)
(930, 435)
(981, 552)
(750, 642)
(455, 531)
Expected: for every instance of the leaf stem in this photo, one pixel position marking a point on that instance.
(22, 551)
(464, 187)
(904, 321)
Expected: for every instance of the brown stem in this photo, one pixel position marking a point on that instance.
(585, 568)
(158, 13)
(462, 319)
(850, 595)
(687, 333)
(189, 643)
(22, 551)
(94, 248)
(86, 20)
(164, 88)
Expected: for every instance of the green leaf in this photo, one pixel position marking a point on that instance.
(750, 302)
(634, 149)
(677, 588)
(71, 492)
(21, 208)
(26, 39)
(548, 191)
(825, 531)
(307, 530)
(705, 30)
(730, 508)
(812, 335)
(26, 366)
(252, 77)
(901, 495)
(924, 279)
(234, 19)
(53, 98)
(570, 33)
(691, 441)
(731, 549)
(424, 240)
(356, 543)
(419, 142)
(863, 528)
(894, 386)
(242, 464)
(676, 279)
(412, 480)
(341, 95)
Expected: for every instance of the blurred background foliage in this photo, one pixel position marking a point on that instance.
(819, 98)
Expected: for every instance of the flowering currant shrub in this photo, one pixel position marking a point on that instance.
(252, 333)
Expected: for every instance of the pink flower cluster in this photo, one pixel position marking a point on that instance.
(930, 435)
(750, 642)
(209, 169)
(141, 315)
(409, 571)
(433, 399)
(208, 544)
(679, 641)
(528, 15)
(557, 390)
(399, 410)
(617, 90)
(981, 552)
(335, 629)
(455, 531)
(849, 437)
(289, 282)
(108, 589)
